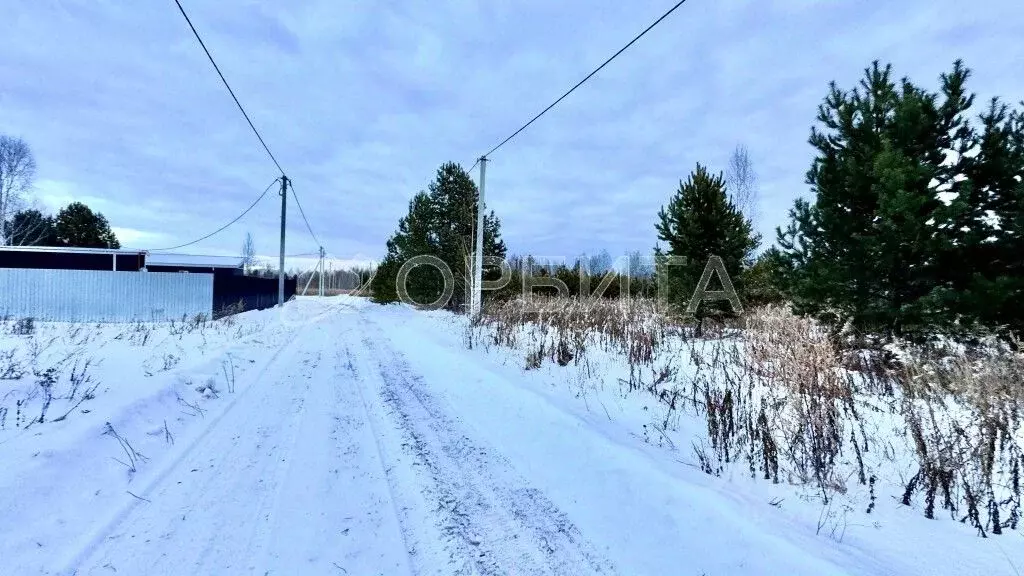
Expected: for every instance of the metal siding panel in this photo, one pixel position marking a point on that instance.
(103, 296)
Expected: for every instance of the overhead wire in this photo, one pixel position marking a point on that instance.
(573, 89)
(224, 227)
(228, 86)
(303, 214)
(246, 115)
(588, 77)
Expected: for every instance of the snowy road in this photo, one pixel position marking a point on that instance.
(339, 461)
(369, 441)
(286, 482)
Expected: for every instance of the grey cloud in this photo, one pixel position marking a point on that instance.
(362, 101)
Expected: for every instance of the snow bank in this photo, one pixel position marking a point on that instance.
(664, 402)
(89, 413)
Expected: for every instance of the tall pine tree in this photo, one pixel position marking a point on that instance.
(413, 238)
(701, 221)
(441, 223)
(910, 227)
(984, 226)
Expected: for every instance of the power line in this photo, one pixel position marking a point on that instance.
(297, 203)
(228, 86)
(580, 83)
(224, 227)
(254, 130)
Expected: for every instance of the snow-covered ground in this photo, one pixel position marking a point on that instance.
(339, 437)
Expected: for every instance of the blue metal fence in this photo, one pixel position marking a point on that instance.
(101, 296)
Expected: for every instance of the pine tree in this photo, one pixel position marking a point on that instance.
(440, 222)
(767, 280)
(413, 238)
(865, 249)
(31, 228)
(912, 225)
(699, 222)
(1008, 216)
(77, 225)
(985, 226)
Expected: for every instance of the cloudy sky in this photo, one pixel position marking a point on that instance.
(361, 101)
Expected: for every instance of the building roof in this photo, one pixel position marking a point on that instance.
(152, 258)
(193, 260)
(70, 250)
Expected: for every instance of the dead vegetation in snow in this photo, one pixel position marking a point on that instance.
(937, 424)
(48, 371)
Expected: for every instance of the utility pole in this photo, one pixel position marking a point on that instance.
(284, 210)
(478, 254)
(321, 271)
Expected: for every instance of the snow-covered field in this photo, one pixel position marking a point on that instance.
(338, 437)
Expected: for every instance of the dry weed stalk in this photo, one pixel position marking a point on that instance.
(561, 329)
(963, 411)
(789, 401)
(799, 369)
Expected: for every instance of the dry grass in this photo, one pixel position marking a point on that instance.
(782, 399)
(623, 324)
(562, 330)
(795, 366)
(963, 412)
(46, 375)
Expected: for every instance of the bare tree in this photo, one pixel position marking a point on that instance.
(248, 252)
(30, 227)
(741, 181)
(17, 171)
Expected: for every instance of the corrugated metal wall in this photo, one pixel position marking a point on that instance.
(100, 296)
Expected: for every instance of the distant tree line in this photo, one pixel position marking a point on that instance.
(20, 225)
(346, 279)
(595, 276)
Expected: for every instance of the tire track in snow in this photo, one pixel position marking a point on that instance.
(380, 453)
(286, 483)
(256, 531)
(270, 500)
(109, 527)
(330, 512)
(225, 484)
(493, 522)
